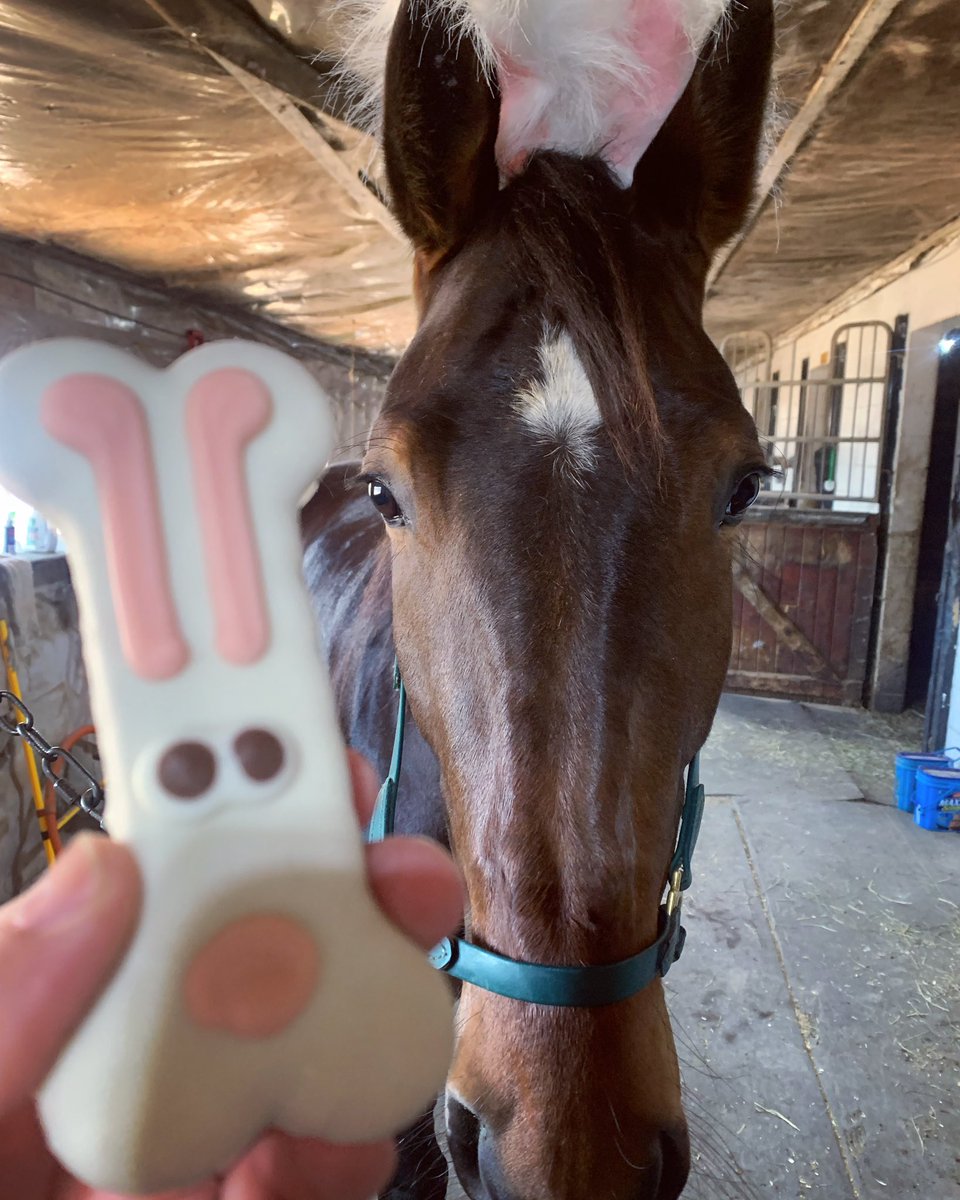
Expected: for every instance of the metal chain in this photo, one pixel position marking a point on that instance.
(20, 724)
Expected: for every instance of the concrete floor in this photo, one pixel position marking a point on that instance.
(817, 1007)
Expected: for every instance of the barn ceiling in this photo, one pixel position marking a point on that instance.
(875, 176)
(162, 137)
(202, 141)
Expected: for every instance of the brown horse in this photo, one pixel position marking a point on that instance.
(554, 475)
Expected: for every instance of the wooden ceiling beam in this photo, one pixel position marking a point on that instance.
(860, 34)
(298, 96)
(237, 33)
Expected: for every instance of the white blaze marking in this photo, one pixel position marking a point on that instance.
(560, 407)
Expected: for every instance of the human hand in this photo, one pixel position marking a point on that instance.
(61, 941)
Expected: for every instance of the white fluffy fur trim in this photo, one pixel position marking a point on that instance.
(582, 76)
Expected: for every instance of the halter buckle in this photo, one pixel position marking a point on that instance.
(675, 895)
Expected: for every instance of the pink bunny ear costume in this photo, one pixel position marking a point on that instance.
(582, 76)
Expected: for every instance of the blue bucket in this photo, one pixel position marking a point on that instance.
(907, 767)
(938, 797)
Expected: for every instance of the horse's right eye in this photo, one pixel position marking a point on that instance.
(385, 503)
(745, 493)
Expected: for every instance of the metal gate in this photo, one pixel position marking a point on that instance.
(806, 566)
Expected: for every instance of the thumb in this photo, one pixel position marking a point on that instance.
(59, 944)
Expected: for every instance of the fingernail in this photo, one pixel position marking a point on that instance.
(66, 894)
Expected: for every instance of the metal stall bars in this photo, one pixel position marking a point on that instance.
(804, 577)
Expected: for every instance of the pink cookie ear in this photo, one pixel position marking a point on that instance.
(103, 420)
(599, 78)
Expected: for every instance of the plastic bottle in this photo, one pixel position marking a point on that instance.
(10, 535)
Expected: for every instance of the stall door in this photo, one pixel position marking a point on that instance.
(806, 563)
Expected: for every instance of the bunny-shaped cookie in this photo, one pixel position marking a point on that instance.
(264, 988)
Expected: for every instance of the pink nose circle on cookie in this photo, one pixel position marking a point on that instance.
(254, 977)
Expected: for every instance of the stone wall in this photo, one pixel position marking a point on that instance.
(36, 599)
(50, 293)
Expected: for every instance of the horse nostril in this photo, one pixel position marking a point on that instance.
(494, 1185)
(463, 1139)
(675, 1159)
(474, 1153)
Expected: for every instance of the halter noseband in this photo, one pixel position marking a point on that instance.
(536, 983)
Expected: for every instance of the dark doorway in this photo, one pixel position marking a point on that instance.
(936, 520)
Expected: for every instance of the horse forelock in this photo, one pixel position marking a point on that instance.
(574, 240)
(548, 314)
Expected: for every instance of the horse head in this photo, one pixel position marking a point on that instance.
(559, 463)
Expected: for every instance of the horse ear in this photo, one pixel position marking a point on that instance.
(440, 121)
(700, 171)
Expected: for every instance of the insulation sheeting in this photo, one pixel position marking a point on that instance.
(880, 173)
(159, 135)
(120, 139)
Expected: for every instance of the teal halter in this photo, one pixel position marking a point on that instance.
(536, 983)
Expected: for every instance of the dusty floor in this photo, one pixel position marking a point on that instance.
(817, 1007)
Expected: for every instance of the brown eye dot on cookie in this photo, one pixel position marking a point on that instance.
(261, 754)
(187, 770)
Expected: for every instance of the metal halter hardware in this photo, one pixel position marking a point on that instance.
(90, 799)
(536, 983)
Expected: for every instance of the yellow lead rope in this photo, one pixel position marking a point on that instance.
(13, 686)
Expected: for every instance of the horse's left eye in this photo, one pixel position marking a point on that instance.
(746, 491)
(386, 504)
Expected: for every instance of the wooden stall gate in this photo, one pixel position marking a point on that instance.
(806, 565)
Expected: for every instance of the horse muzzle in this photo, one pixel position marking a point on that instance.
(659, 1173)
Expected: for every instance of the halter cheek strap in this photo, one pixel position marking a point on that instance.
(384, 817)
(536, 983)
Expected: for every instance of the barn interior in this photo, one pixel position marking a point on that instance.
(176, 171)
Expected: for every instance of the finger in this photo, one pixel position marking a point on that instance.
(26, 1168)
(206, 1191)
(59, 944)
(417, 886)
(280, 1167)
(365, 786)
(414, 881)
